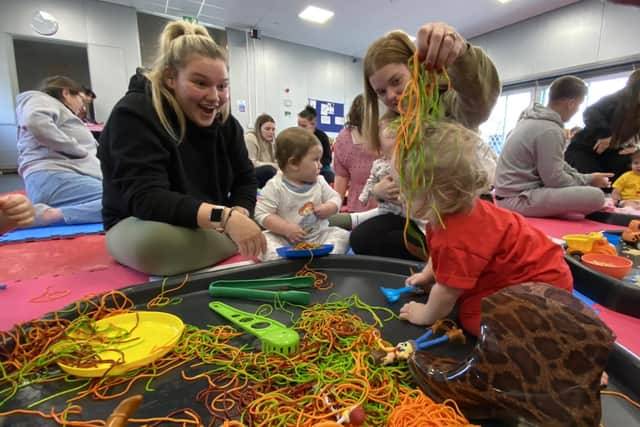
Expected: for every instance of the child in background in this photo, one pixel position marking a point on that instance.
(380, 169)
(295, 204)
(479, 248)
(16, 211)
(626, 189)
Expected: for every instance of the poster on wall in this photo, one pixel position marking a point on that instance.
(330, 115)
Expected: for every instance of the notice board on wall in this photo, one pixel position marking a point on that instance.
(330, 115)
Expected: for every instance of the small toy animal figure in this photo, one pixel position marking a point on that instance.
(539, 359)
(387, 356)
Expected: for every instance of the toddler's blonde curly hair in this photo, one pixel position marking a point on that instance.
(454, 176)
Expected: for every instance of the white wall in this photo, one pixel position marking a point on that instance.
(110, 33)
(581, 36)
(261, 70)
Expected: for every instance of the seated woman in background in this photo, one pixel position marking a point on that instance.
(261, 147)
(307, 120)
(57, 154)
(352, 160)
(179, 186)
(611, 132)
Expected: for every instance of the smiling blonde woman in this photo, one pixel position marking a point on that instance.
(179, 186)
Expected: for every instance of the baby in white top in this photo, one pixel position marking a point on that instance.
(294, 206)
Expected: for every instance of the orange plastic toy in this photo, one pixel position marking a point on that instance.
(632, 234)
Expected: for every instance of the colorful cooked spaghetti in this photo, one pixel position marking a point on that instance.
(419, 105)
(252, 388)
(303, 246)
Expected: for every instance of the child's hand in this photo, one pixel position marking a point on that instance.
(415, 312)
(325, 210)
(17, 210)
(422, 279)
(294, 233)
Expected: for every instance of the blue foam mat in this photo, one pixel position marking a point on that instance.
(51, 232)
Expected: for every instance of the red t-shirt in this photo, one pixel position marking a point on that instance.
(489, 249)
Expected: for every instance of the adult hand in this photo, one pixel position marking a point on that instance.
(628, 150)
(294, 233)
(325, 210)
(17, 210)
(601, 179)
(246, 234)
(601, 145)
(387, 189)
(439, 44)
(241, 210)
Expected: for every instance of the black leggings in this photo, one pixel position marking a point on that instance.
(383, 236)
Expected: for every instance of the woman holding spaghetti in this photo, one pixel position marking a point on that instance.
(475, 87)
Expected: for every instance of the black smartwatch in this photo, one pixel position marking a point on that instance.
(216, 215)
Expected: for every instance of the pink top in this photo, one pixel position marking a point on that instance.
(353, 161)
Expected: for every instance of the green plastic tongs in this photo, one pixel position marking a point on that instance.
(269, 290)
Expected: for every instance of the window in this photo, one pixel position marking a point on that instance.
(507, 110)
(504, 117)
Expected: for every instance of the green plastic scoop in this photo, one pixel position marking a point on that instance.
(274, 336)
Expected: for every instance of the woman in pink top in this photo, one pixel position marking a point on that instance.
(352, 160)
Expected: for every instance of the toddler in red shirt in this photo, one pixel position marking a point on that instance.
(476, 248)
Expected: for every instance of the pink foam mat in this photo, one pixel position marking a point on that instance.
(24, 300)
(625, 327)
(556, 227)
(18, 302)
(28, 260)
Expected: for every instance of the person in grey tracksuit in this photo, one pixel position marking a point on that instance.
(532, 177)
(57, 154)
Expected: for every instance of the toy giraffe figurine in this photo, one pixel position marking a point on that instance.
(539, 359)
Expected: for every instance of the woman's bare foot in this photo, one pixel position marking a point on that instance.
(414, 312)
(47, 215)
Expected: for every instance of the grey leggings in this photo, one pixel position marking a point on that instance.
(162, 249)
(548, 202)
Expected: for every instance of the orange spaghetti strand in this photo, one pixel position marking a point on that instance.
(48, 295)
(622, 396)
(161, 299)
(320, 279)
(306, 246)
(418, 410)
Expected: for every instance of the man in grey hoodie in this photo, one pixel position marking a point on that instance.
(532, 177)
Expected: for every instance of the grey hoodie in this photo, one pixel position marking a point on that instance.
(52, 138)
(533, 155)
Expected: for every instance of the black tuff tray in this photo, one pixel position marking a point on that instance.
(622, 296)
(614, 218)
(351, 275)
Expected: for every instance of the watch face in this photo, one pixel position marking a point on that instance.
(216, 214)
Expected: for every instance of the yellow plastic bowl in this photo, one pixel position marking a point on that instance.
(156, 334)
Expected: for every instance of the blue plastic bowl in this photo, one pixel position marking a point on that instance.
(288, 252)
